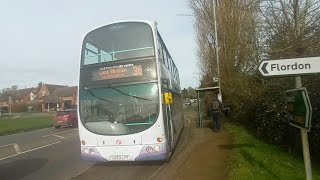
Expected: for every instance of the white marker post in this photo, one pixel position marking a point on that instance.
(10, 103)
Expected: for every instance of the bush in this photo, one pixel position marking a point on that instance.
(24, 107)
(268, 120)
(18, 107)
(35, 106)
(312, 83)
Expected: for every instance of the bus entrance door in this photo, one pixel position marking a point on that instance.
(168, 118)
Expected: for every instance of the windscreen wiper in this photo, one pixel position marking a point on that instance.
(137, 97)
(92, 94)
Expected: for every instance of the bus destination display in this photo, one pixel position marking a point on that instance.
(119, 71)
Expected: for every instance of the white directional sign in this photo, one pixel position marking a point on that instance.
(282, 67)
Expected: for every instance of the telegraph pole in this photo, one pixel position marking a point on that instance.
(217, 47)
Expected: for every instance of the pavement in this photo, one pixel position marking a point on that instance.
(209, 156)
(206, 156)
(54, 154)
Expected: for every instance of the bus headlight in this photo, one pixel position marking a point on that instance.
(157, 148)
(83, 142)
(85, 150)
(149, 149)
(92, 151)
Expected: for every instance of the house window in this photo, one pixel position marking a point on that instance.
(31, 96)
(43, 93)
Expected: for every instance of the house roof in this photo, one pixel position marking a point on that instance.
(51, 99)
(21, 93)
(65, 91)
(53, 87)
(24, 92)
(5, 97)
(60, 92)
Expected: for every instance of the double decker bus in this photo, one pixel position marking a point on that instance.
(129, 101)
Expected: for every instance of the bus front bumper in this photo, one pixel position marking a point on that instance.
(152, 152)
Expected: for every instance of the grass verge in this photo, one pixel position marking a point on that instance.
(15, 125)
(253, 159)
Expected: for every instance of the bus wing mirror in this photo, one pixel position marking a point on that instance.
(165, 81)
(167, 96)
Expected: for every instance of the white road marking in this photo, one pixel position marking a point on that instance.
(41, 147)
(16, 147)
(6, 145)
(58, 136)
(59, 132)
(30, 150)
(82, 171)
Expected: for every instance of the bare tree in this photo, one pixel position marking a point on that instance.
(238, 46)
(292, 28)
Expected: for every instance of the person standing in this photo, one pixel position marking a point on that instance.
(217, 108)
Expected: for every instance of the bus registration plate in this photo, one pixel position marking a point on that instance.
(120, 157)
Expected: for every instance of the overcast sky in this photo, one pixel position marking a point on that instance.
(41, 39)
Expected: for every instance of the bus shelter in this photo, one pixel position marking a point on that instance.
(200, 122)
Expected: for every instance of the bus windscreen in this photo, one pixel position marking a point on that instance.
(119, 110)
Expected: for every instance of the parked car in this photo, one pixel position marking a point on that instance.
(3, 109)
(67, 117)
(187, 103)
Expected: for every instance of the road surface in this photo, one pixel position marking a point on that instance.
(55, 154)
(41, 154)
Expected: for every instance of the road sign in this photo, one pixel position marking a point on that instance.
(282, 67)
(299, 107)
(10, 100)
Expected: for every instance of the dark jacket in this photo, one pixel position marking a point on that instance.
(217, 113)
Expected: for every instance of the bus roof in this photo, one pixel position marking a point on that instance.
(149, 22)
(152, 24)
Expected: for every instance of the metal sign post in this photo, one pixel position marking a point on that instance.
(305, 142)
(299, 107)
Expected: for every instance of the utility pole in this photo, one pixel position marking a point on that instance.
(304, 133)
(214, 5)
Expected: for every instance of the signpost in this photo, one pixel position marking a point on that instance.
(289, 67)
(298, 103)
(299, 107)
